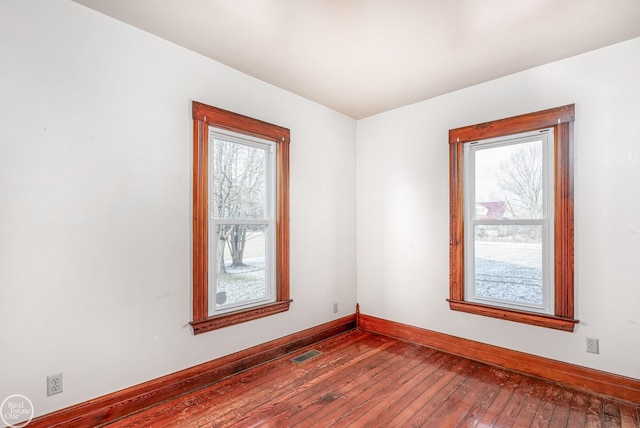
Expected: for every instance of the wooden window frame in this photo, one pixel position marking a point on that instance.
(561, 120)
(203, 117)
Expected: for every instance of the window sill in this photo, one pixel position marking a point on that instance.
(225, 320)
(541, 320)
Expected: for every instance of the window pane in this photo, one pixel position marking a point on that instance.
(241, 274)
(508, 263)
(238, 180)
(508, 181)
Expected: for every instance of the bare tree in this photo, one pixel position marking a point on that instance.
(238, 193)
(520, 177)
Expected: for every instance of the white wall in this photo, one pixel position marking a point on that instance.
(95, 203)
(403, 209)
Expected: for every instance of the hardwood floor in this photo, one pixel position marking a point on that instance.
(366, 380)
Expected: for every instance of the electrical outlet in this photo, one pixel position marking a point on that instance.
(335, 308)
(592, 345)
(54, 384)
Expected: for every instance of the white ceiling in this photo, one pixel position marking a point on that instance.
(362, 57)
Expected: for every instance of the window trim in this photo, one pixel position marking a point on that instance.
(203, 117)
(561, 120)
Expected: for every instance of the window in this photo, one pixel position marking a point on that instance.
(240, 219)
(509, 204)
(511, 215)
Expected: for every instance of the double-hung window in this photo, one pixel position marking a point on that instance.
(242, 222)
(240, 218)
(511, 219)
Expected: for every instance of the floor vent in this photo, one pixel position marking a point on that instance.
(307, 355)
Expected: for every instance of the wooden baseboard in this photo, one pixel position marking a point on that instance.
(583, 378)
(116, 405)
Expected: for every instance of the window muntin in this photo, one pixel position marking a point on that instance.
(241, 244)
(509, 212)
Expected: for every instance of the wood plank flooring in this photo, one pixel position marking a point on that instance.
(366, 380)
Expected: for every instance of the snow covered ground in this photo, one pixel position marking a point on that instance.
(244, 282)
(509, 271)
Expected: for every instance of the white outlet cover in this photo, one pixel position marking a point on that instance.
(54, 384)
